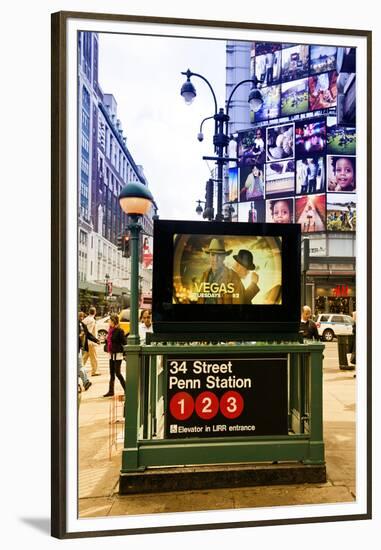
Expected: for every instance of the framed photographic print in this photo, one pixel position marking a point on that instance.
(206, 395)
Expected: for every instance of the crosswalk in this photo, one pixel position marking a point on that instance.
(103, 360)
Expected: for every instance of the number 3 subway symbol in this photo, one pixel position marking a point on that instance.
(231, 404)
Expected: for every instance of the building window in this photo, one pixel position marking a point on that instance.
(83, 237)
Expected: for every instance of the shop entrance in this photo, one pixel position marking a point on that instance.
(334, 304)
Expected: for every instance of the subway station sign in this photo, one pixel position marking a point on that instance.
(226, 395)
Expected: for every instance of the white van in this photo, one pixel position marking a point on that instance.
(330, 325)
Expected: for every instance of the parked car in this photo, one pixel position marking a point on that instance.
(330, 325)
(103, 326)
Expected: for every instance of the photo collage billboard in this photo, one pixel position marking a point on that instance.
(297, 161)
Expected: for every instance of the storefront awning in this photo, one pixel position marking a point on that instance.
(99, 288)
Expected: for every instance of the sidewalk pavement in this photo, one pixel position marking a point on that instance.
(99, 465)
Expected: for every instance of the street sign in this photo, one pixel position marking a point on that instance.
(226, 396)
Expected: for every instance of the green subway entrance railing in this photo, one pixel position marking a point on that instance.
(233, 403)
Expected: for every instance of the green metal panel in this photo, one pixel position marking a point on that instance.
(316, 447)
(258, 347)
(222, 453)
(130, 452)
(153, 398)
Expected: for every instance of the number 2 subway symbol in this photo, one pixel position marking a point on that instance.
(206, 405)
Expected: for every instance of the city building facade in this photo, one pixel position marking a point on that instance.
(105, 165)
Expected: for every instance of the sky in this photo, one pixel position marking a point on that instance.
(144, 75)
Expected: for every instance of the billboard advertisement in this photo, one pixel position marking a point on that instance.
(301, 147)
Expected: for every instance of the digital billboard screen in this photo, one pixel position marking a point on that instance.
(226, 276)
(211, 269)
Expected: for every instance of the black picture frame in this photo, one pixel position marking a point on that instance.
(59, 275)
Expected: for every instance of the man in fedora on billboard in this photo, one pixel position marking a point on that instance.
(243, 265)
(219, 284)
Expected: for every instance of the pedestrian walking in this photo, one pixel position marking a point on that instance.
(91, 354)
(84, 336)
(114, 346)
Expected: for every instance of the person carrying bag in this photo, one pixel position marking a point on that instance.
(114, 346)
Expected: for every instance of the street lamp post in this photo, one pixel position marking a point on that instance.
(107, 293)
(221, 119)
(135, 200)
(107, 278)
(199, 209)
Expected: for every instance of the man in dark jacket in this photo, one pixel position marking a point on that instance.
(307, 327)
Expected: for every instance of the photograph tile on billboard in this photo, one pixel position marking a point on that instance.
(280, 142)
(230, 211)
(341, 212)
(233, 184)
(346, 87)
(310, 175)
(271, 104)
(341, 174)
(266, 47)
(322, 91)
(340, 139)
(346, 60)
(310, 137)
(251, 147)
(346, 99)
(252, 212)
(294, 97)
(287, 45)
(295, 62)
(268, 68)
(310, 213)
(280, 210)
(252, 185)
(280, 178)
(322, 59)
